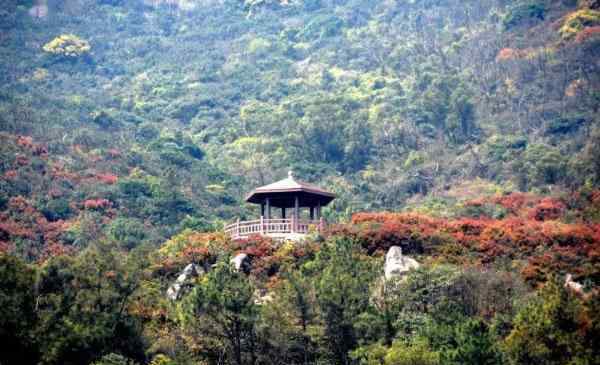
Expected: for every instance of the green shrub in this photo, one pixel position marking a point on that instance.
(502, 147)
(175, 156)
(417, 353)
(321, 26)
(523, 12)
(128, 232)
(103, 119)
(565, 124)
(134, 187)
(114, 359)
(147, 132)
(57, 209)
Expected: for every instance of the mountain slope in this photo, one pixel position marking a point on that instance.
(189, 104)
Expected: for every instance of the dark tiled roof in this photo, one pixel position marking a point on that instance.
(289, 184)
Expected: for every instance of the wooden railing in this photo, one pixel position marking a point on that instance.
(271, 227)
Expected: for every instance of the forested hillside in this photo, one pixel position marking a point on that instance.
(465, 133)
(186, 105)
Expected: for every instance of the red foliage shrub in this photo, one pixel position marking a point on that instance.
(10, 174)
(109, 179)
(261, 250)
(547, 209)
(470, 227)
(6, 247)
(21, 160)
(515, 202)
(25, 142)
(53, 250)
(19, 204)
(569, 234)
(196, 254)
(377, 232)
(531, 232)
(509, 54)
(587, 33)
(97, 204)
(113, 153)
(35, 148)
(11, 229)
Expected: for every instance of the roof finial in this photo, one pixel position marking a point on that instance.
(291, 174)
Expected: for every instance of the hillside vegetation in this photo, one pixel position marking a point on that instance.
(464, 132)
(381, 102)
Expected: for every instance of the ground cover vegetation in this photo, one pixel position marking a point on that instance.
(465, 132)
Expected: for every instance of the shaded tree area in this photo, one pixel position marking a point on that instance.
(302, 303)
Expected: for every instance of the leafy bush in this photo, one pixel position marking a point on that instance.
(128, 232)
(552, 329)
(418, 353)
(565, 125)
(17, 311)
(523, 12)
(147, 132)
(133, 188)
(321, 26)
(57, 209)
(114, 359)
(103, 119)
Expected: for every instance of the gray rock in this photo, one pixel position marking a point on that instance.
(396, 264)
(183, 280)
(241, 262)
(573, 285)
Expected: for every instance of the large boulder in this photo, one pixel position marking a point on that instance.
(183, 280)
(396, 264)
(242, 262)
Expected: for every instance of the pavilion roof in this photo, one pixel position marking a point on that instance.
(289, 185)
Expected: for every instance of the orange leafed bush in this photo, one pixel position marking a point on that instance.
(532, 231)
(97, 204)
(25, 141)
(515, 201)
(21, 160)
(36, 149)
(113, 153)
(508, 54)
(547, 209)
(10, 174)
(109, 179)
(587, 33)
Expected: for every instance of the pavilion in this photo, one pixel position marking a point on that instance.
(292, 199)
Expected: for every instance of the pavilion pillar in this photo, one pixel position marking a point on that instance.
(312, 213)
(268, 208)
(296, 214)
(262, 209)
(283, 213)
(319, 210)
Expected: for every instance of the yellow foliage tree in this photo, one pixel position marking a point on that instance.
(68, 45)
(577, 21)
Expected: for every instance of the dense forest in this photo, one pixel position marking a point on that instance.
(464, 132)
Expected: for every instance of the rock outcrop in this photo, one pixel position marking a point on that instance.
(242, 262)
(397, 264)
(183, 280)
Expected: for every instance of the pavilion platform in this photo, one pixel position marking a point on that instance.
(284, 195)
